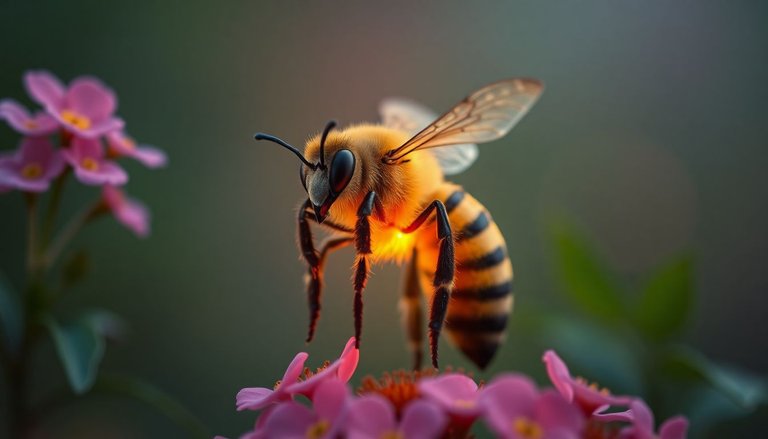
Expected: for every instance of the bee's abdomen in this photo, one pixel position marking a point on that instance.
(481, 300)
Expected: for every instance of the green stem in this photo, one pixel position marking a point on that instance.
(71, 230)
(53, 206)
(32, 244)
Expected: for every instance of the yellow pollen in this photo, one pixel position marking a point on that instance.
(391, 435)
(593, 386)
(30, 124)
(89, 164)
(32, 171)
(527, 428)
(75, 119)
(129, 143)
(464, 403)
(318, 429)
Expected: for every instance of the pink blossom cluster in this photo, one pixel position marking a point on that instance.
(76, 130)
(435, 405)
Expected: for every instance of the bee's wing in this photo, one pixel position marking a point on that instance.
(411, 117)
(485, 115)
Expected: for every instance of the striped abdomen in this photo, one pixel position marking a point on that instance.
(481, 300)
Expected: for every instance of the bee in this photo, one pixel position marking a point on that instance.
(382, 189)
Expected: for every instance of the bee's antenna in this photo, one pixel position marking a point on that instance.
(328, 127)
(271, 138)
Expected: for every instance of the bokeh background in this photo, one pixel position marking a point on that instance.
(650, 140)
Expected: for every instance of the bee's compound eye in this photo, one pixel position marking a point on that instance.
(302, 176)
(342, 168)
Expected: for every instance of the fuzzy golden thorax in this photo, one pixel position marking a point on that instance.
(401, 188)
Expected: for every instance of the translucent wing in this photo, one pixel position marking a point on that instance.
(411, 117)
(485, 115)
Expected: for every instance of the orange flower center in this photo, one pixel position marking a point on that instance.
(32, 171)
(129, 143)
(318, 429)
(76, 119)
(391, 435)
(30, 124)
(593, 386)
(399, 387)
(89, 164)
(527, 428)
(464, 403)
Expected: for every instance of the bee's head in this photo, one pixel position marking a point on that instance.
(325, 179)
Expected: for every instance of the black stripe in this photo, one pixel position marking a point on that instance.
(453, 200)
(488, 260)
(480, 351)
(474, 228)
(486, 324)
(493, 292)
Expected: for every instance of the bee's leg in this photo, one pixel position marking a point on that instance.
(444, 273)
(315, 261)
(371, 206)
(410, 310)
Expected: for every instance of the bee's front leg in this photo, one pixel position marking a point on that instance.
(316, 261)
(371, 205)
(444, 273)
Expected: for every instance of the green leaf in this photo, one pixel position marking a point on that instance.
(155, 398)
(666, 300)
(81, 348)
(746, 390)
(585, 281)
(75, 268)
(11, 316)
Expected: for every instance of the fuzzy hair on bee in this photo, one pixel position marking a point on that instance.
(382, 188)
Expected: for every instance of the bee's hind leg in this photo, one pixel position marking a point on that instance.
(316, 262)
(444, 272)
(410, 310)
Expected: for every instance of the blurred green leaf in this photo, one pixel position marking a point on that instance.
(744, 389)
(706, 408)
(585, 281)
(152, 396)
(11, 316)
(75, 268)
(665, 302)
(81, 348)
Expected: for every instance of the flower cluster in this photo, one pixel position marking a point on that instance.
(79, 119)
(426, 404)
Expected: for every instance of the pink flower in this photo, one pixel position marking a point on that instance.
(514, 409)
(120, 145)
(87, 158)
(85, 108)
(373, 417)
(589, 397)
(643, 425)
(39, 124)
(255, 398)
(292, 420)
(32, 167)
(129, 212)
(457, 394)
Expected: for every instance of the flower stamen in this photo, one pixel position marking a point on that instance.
(89, 164)
(527, 428)
(76, 119)
(318, 429)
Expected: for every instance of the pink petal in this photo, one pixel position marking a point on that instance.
(422, 419)
(559, 374)
(107, 173)
(674, 428)
(349, 359)
(370, 416)
(330, 399)
(41, 124)
(150, 157)
(44, 88)
(642, 415)
(90, 97)
(254, 398)
(97, 129)
(554, 413)
(308, 386)
(506, 398)
(135, 216)
(456, 393)
(294, 370)
(82, 147)
(289, 420)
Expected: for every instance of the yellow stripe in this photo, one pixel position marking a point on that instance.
(482, 278)
(460, 308)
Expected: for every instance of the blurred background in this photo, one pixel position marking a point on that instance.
(647, 147)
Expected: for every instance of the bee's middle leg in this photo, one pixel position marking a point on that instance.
(371, 205)
(444, 272)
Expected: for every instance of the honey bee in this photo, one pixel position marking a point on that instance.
(382, 188)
